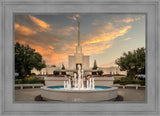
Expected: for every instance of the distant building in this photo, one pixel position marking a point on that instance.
(45, 71)
(113, 70)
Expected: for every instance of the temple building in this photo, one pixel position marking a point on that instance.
(79, 57)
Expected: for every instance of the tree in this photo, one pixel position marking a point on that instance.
(95, 65)
(100, 72)
(53, 65)
(63, 68)
(132, 62)
(26, 58)
(55, 72)
(94, 68)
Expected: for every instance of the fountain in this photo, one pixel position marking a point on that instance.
(79, 83)
(79, 91)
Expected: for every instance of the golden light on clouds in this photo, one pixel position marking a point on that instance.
(128, 38)
(24, 30)
(95, 44)
(39, 22)
(50, 56)
(94, 49)
(105, 37)
(55, 39)
(124, 30)
(51, 47)
(128, 20)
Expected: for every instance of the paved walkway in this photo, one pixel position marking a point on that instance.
(129, 94)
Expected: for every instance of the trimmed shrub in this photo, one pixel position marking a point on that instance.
(100, 73)
(129, 80)
(117, 81)
(55, 72)
(142, 82)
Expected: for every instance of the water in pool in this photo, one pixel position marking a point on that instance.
(85, 88)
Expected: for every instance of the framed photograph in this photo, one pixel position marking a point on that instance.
(79, 57)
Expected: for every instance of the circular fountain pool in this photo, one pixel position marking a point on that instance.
(59, 93)
(81, 92)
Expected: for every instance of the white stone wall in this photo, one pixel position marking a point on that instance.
(104, 81)
(35, 71)
(41, 72)
(112, 70)
(44, 71)
(54, 81)
(49, 70)
(80, 59)
(71, 62)
(85, 62)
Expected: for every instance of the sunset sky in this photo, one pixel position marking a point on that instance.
(105, 37)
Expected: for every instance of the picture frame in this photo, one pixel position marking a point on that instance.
(10, 107)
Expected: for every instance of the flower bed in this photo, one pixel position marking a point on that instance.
(29, 80)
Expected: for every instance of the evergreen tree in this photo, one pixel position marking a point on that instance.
(94, 68)
(95, 65)
(63, 68)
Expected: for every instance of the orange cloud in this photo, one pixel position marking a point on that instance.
(106, 37)
(70, 48)
(21, 42)
(127, 39)
(39, 22)
(48, 52)
(128, 20)
(50, 56)
(101, 38)
(23, 30)
(75, 17)
(95, 49)
(51, 47)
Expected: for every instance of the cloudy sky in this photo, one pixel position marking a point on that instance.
(105, 37)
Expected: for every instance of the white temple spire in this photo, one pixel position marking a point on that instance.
(78, 33)
(79, 47)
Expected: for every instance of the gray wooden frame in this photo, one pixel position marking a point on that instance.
(10, 107)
